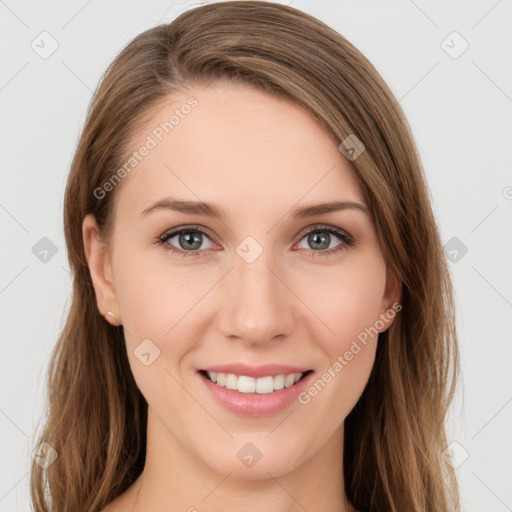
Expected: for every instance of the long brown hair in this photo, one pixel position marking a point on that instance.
(395, 440)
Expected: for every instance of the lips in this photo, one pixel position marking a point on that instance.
(257, 402)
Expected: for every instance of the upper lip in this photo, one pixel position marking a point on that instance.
(256, 371)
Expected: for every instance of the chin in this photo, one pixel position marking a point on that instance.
(255, 460)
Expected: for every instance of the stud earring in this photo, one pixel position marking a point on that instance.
(109, 314)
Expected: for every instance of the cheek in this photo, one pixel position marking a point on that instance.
(154, 301)
(151, 304)
(349, 304)
(148, 299)
(349, 299)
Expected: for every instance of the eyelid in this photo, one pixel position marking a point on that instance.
(192, 227)
(347, 238)
(205, 230)
(326, 227)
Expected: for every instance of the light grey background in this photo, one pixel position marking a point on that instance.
(460, 111)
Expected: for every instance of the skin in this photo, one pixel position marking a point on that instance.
(259, 158)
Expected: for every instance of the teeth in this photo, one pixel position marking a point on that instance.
(262, 385)
(289, 380)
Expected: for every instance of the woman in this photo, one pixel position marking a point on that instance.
(262, 315)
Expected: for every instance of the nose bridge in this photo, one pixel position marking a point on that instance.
(256, 305)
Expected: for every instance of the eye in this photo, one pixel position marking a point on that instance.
(321, 239)
(189, 241)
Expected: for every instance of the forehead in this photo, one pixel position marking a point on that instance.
(232, 144)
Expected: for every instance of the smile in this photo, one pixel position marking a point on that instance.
(262, 395)
(261, 385)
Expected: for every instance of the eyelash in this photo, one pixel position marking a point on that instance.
(347, 240)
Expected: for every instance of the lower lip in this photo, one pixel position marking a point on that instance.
(256, 404)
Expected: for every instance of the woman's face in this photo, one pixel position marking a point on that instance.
(261, 285)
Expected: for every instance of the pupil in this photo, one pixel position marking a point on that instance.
(189, 239)
(322, 240)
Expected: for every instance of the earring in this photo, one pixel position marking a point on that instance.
(109, 314)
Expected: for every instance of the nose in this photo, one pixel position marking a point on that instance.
(257, 304)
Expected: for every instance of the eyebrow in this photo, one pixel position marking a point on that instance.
(211, 210)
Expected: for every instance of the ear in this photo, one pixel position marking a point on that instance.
(100, 268)
(391, 299)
